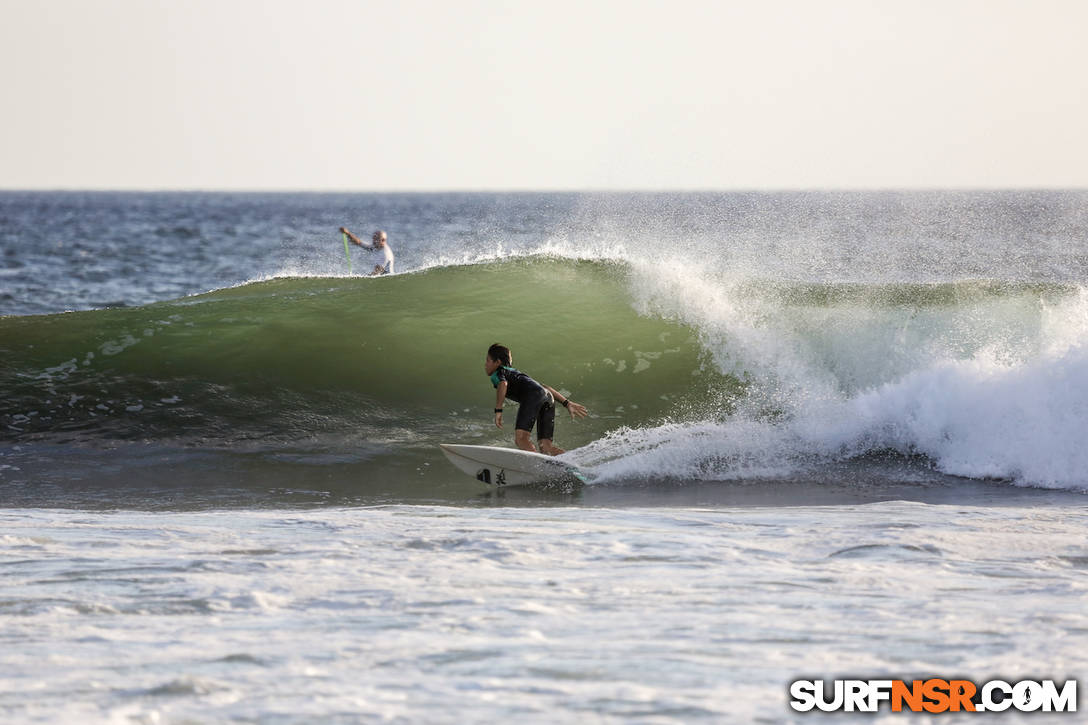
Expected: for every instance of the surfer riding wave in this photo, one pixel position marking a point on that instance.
(536, 401)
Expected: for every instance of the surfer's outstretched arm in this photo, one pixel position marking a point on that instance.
(576, 409)
(354, 239)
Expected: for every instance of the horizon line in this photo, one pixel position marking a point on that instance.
(536, 190)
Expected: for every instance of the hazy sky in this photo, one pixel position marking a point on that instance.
(478, 94)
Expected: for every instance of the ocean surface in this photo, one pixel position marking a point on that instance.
(831, 434)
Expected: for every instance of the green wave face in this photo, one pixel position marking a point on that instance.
(351, 382)
(397, 359)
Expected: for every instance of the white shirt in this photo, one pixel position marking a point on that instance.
(382, 258)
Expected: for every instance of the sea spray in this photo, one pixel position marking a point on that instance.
(985, 380)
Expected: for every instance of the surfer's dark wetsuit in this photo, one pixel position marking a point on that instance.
(535, 404)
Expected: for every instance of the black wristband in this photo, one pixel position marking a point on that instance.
(566, 403)
(498, 410)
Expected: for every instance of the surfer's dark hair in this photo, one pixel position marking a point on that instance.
(500, 353)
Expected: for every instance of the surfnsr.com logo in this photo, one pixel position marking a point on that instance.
(933, 695)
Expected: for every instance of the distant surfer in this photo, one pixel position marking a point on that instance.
(379, 246)
(536, 402)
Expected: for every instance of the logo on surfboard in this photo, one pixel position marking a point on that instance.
(484, 474)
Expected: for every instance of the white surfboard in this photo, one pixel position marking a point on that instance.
(504, 467)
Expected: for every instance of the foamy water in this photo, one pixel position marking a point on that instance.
(992, 388)
(433, 614)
